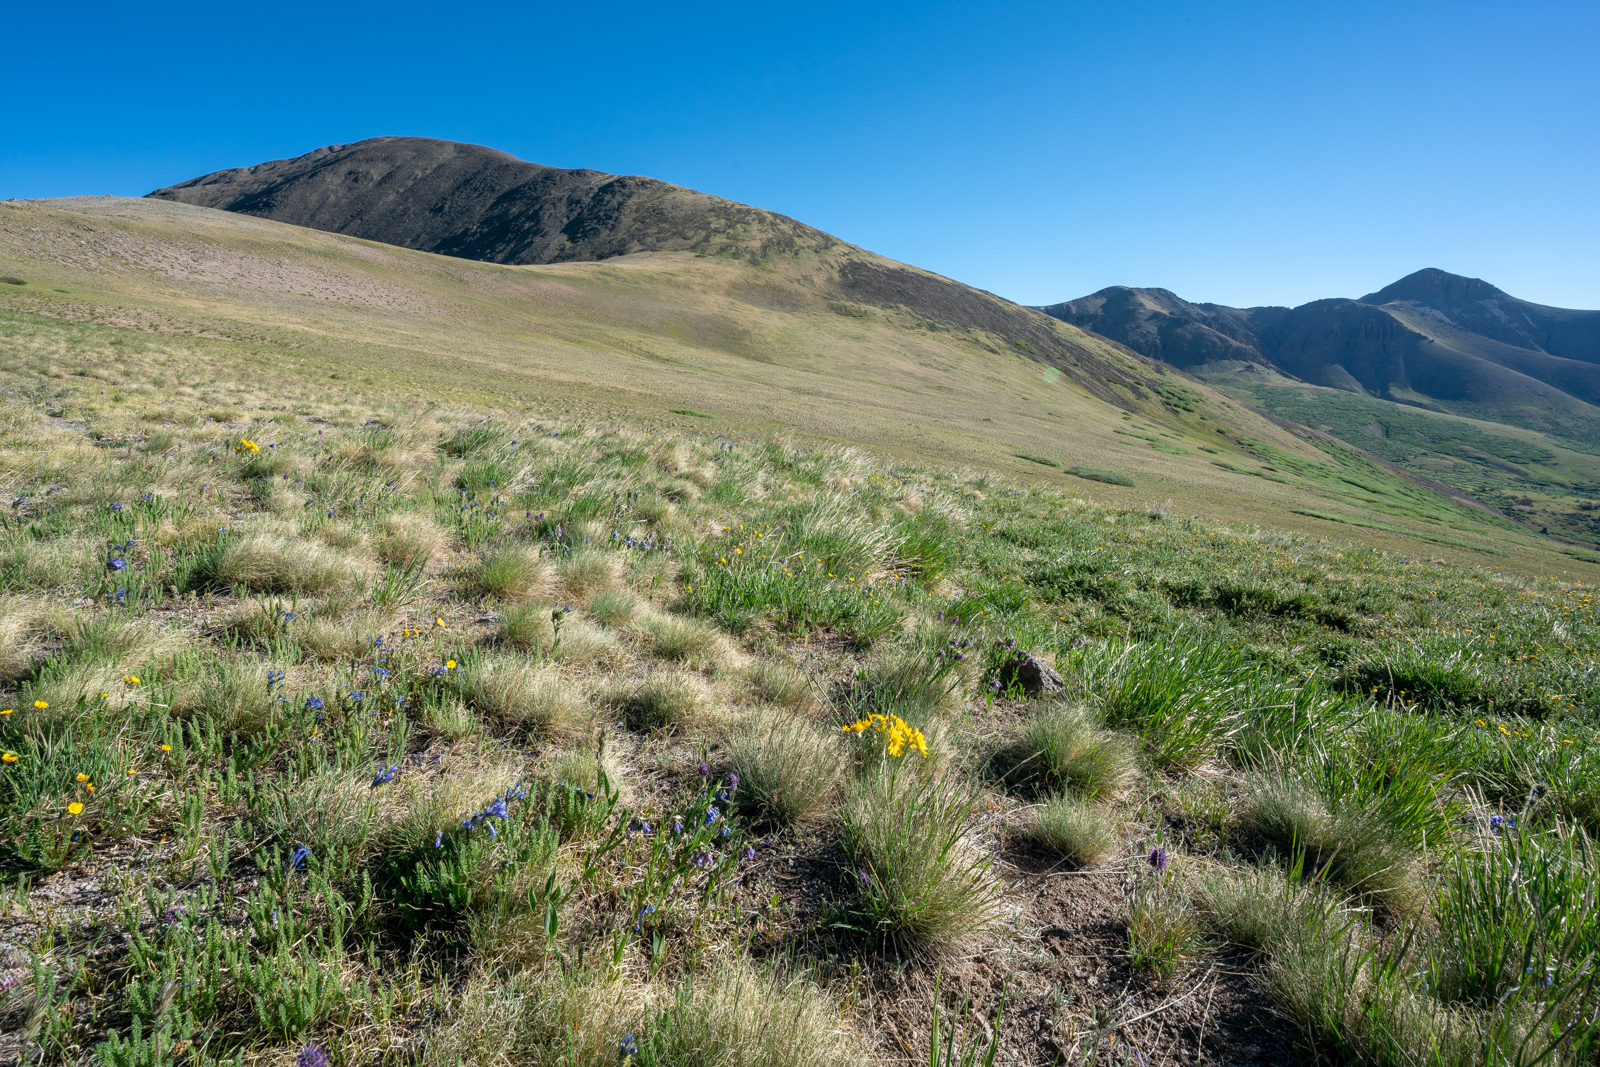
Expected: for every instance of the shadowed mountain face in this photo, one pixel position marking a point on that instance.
(476, 203)
(1432, 339)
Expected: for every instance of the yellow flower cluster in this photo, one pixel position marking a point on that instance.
(246, 445)
(898, 734)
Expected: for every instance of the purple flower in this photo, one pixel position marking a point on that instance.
(749, 853)
(1158, 859)
(1499, 823)
(705, 771)
(731, 782)
(311, 1056)
(174, 916)
(297, 860)
(701, 859)
(712, 815)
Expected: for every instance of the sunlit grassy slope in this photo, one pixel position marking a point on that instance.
(1544, 482)
(739, 343)
(340, 728)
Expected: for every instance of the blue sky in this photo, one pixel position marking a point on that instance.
(1243, 153)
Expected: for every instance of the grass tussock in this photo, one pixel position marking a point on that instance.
(781, 684)
(512, 573)
(1074, 829)
(268, 563)
(1065, 748)
(687, 641)
(531, 700)
(663, 699)
(920, 883)
(792, 768)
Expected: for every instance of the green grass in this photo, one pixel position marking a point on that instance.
(392, 728)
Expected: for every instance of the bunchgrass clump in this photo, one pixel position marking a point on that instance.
(919, 882)
(662, 699)
(686, 641)
(1065, 748)
(537, 701)
(1071, 827)
(781, 684)
(1163, 930)
(512, 573)
(267, 563)
(791, 768)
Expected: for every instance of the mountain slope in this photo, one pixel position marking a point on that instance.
(1432, 339)
(477, 203)
(832, 344)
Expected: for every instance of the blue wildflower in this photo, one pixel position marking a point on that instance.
(297, 860)
(313, 703)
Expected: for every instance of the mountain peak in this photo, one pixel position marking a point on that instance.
(479, 203)
(1434, 286)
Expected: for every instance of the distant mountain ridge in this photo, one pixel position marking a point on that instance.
(478, 203)
(1432, 339)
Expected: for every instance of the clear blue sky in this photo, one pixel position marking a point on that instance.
(1245, 153)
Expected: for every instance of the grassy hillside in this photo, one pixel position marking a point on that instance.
(1540, 481)
(832, 344)
(362, 729)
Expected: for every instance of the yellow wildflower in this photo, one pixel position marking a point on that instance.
(449, 664)
(41, 704)
(9, 757)
(166, 748)
(132, 679)
(75, 808)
